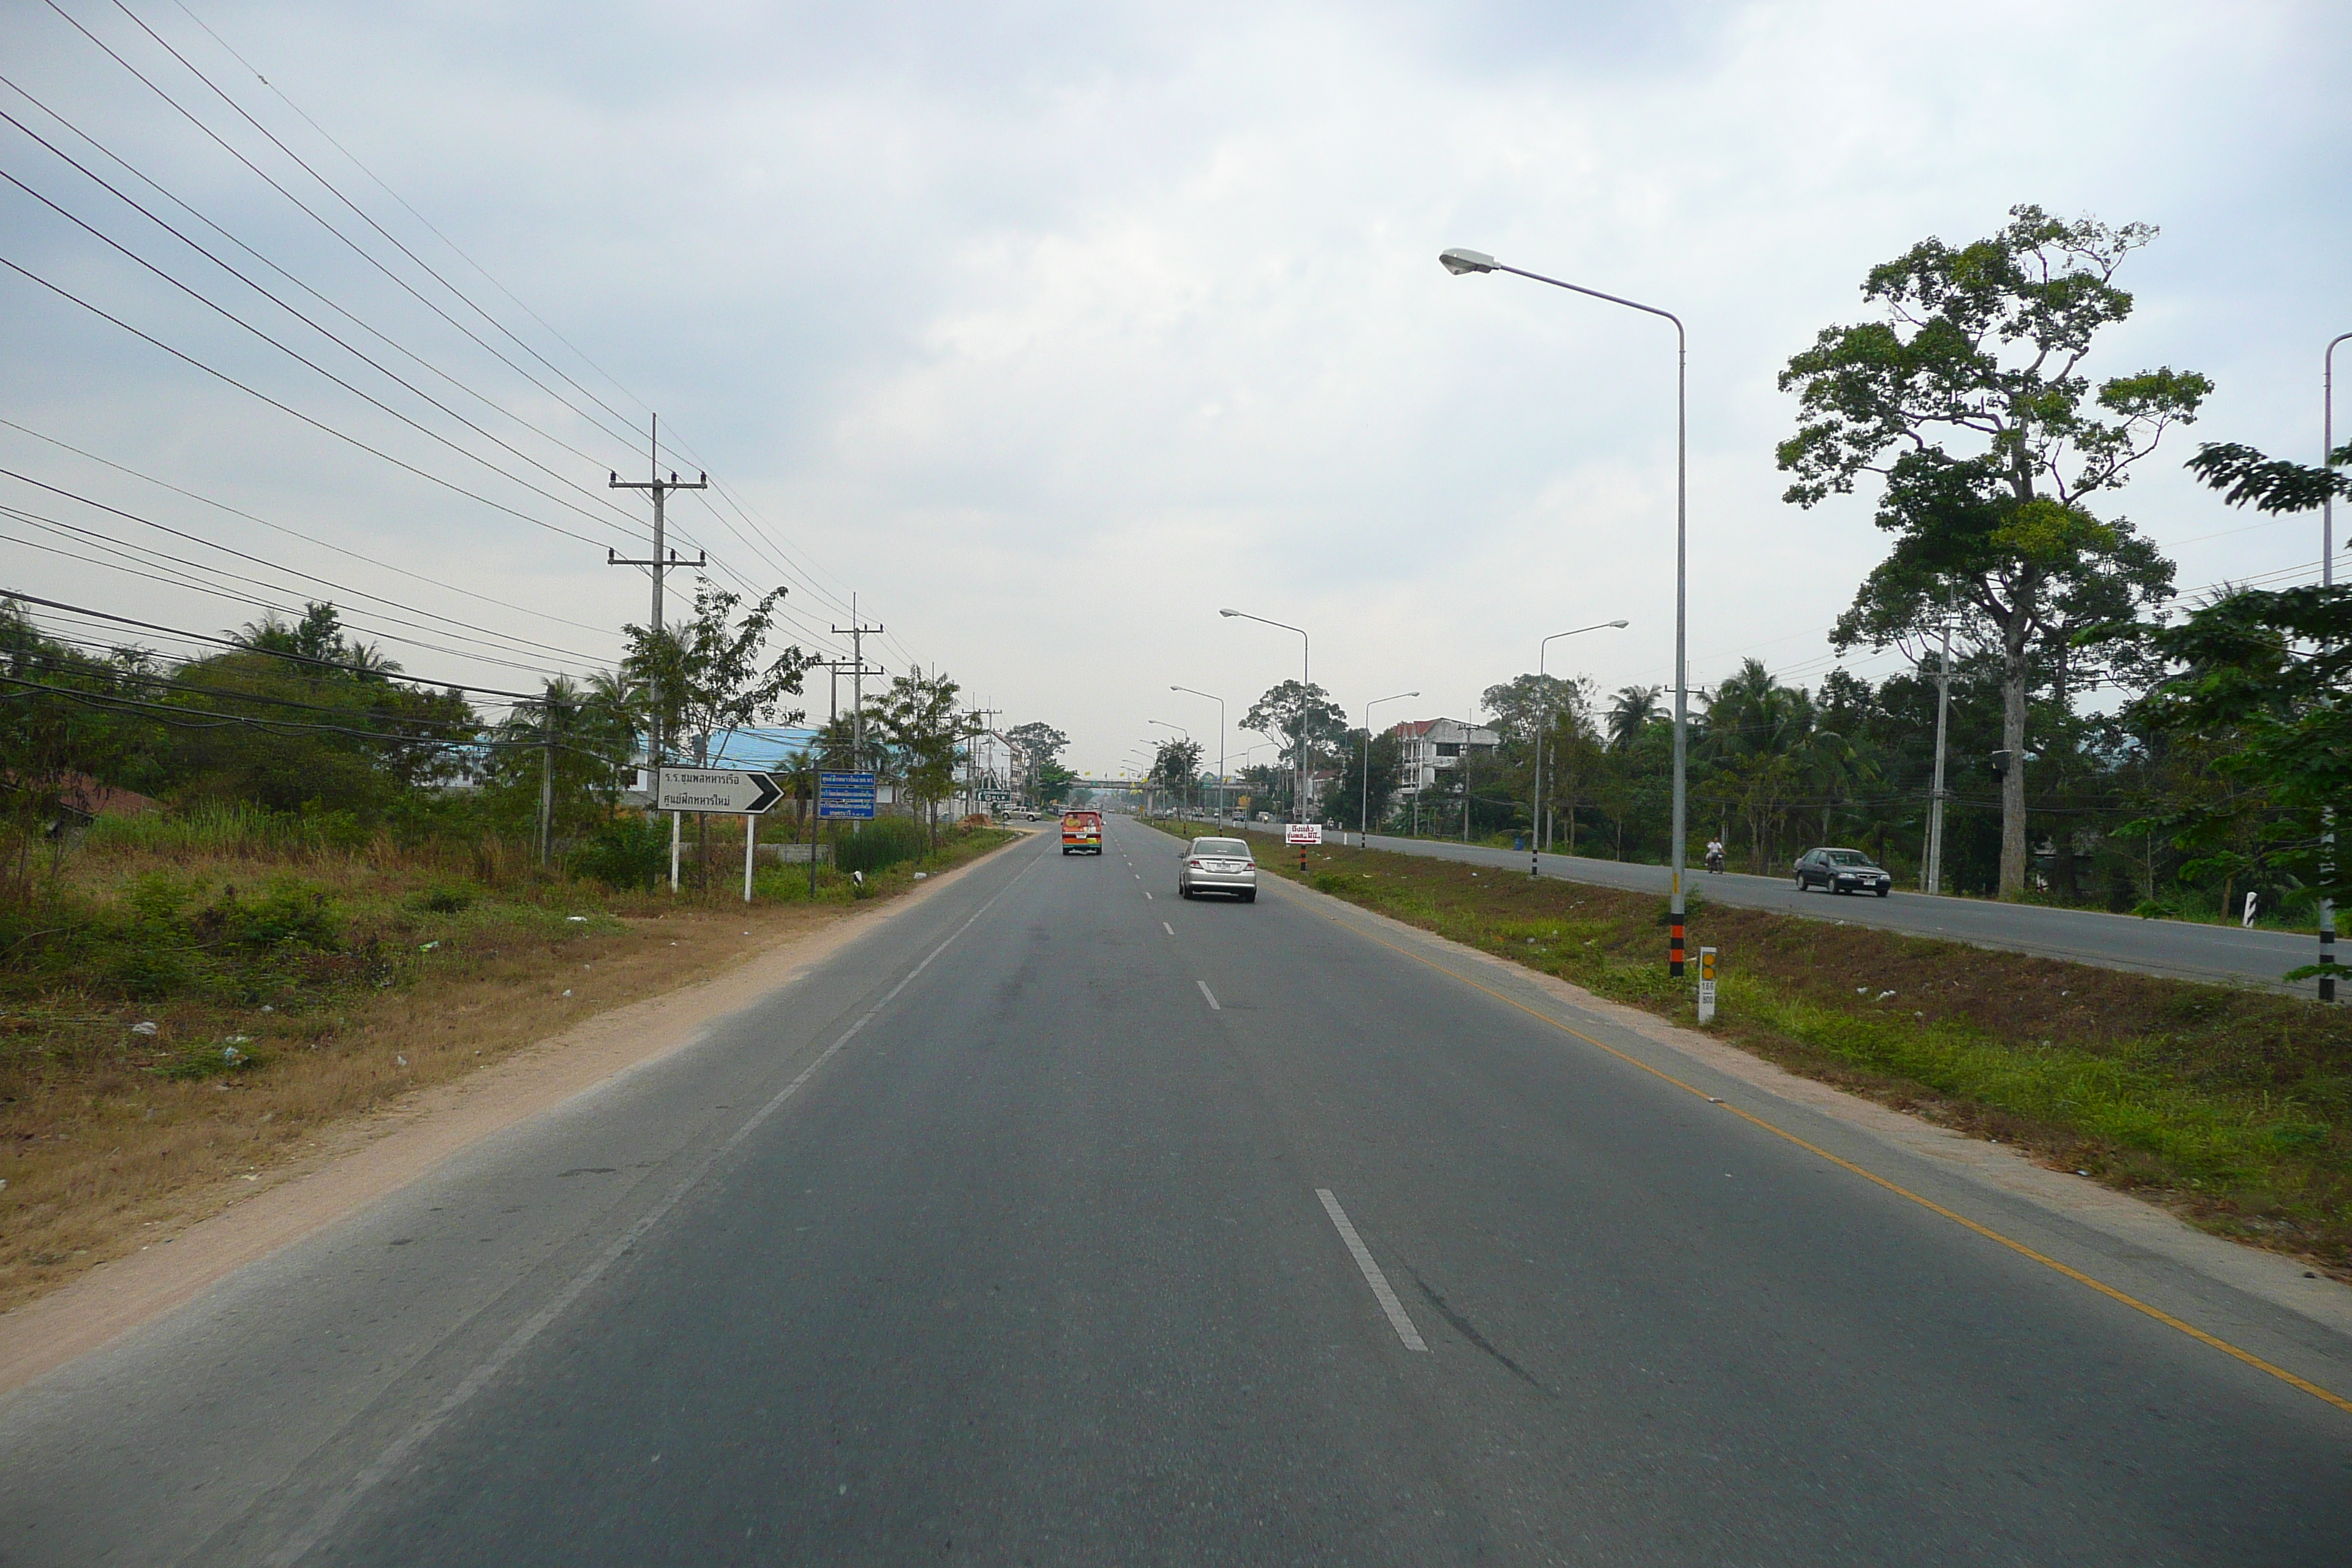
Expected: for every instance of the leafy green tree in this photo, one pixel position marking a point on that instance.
(1289, 713)
(2263, 681)
(1970, 403)
(1632, 712)
(924, 731)
(1037, 748)
(1176, 768)
(1350, 802)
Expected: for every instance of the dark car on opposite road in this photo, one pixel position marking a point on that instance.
(1842, 871)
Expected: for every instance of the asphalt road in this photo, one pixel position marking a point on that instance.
(1060, 1221)
(2176, 948)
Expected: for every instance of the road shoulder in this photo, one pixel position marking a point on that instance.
(380, 1154)
(1994, 1169)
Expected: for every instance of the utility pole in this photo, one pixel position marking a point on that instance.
(1931, 879)
(547, 783)
(977, 758)
(856, 631)
(662, 559)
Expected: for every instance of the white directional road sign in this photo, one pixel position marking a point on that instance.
(717, 789)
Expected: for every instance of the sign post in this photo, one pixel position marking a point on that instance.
(839, 795)
(1706, 985)
(1302, 834)
(680, 790)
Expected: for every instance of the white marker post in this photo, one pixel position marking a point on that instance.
(751, 834)
(2254, 902)
(1706, 985)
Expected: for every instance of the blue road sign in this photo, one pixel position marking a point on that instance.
(845, 795)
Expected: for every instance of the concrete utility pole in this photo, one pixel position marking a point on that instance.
(1931, 879)
(856, 632)
(664, 558)
(2328, 580)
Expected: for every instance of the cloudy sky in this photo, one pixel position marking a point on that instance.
(1049, 329)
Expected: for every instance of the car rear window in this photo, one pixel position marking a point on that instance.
(1225, 848)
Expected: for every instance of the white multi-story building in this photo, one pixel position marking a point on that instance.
(1432, 748)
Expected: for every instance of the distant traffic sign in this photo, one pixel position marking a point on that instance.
(845, 795)
(716, 789)
(1302, 832)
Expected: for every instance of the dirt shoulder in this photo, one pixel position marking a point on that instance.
(440, 1065)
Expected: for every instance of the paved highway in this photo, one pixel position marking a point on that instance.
(2176, 948)
(1058, 1221)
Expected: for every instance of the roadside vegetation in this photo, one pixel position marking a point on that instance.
(2232, 1106)
(189, 1001)
(2117, 739)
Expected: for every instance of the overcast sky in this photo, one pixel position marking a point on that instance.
(1050, 329)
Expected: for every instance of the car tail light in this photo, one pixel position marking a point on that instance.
(1195, 864)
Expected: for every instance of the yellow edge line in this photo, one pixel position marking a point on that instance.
(2134, 1302)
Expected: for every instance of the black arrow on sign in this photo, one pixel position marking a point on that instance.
(771, 791)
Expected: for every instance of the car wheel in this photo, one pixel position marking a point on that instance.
(1801, 883)
(1250, 897)
(1883, 891)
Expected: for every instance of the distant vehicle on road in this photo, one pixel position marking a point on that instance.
(1217, 865)
(1082, 833)
(1842, 871)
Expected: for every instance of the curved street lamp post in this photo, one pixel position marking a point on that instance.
(1364, 809)
(1458, 261)
(1298, 804)
(1535, 827)
(1220, 745)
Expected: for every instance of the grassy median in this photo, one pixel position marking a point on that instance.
(184, 1005)
(2234, 1105)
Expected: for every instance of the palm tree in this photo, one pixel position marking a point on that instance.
(1635, 710)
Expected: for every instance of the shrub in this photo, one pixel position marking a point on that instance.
(288, 915)
(626, 852)
(446, 900)
(882, 843)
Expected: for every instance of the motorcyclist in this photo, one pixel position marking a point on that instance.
(1714, 855)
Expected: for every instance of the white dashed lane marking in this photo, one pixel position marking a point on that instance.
(1398, 1320)
(1205, 991)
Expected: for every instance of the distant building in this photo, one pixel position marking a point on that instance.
(1430, 749)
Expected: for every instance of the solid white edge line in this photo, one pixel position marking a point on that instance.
(324, 1521)
(1398, 1320)
(1207, 993)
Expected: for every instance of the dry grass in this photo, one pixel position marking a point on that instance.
(111, 1138)
(2234, 1106)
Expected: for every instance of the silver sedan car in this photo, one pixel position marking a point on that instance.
(1217, 865)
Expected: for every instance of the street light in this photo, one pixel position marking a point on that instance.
(1458, 261)
(1220, 745)
(2328, 580)
(1364, 808)
(1298, 805)
(1535, 827)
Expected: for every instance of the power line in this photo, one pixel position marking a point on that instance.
(807, 573)
(488, 654)
(303, 359)
(193, 212)
(294, 533)
(84, 611)
(289, 570)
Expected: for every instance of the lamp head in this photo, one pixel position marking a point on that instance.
(1229, 614)
(1620, 626)
(1458, 261)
